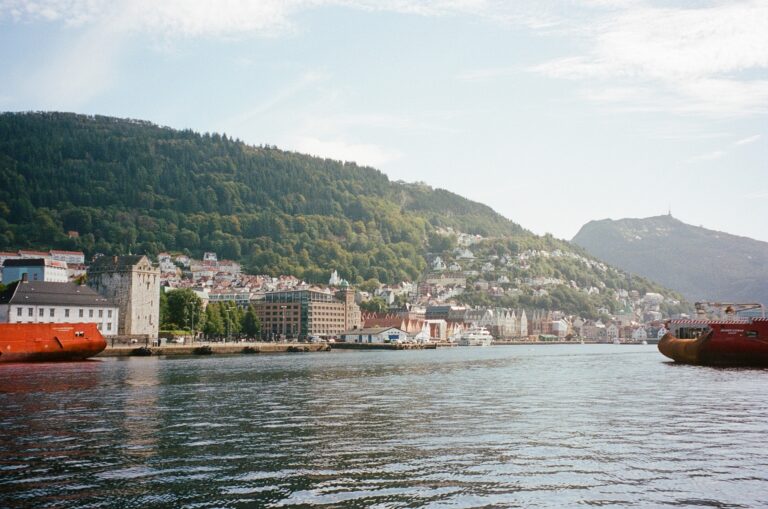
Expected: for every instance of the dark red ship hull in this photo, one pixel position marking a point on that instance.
(736, 343)
(46, 342)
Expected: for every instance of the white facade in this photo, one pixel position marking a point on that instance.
(105, 317)
(380, 335)
(75, 257)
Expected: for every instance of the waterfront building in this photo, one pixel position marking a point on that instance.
(36, 269)
(639, 334)
(134, 285)
(28, 301)
(500, 322)
(375, 335)
(306, 313)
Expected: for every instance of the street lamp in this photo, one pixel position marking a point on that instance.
(192, 319)
(226, 311)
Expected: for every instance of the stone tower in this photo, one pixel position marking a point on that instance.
(134, 285)
(352, 314)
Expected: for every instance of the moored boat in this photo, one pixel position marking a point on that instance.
(733, 341)
(475, 336)
(44, 342)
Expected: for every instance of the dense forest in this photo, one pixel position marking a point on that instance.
(127, 185)
(132, 186)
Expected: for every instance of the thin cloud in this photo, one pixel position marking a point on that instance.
(343, 150)
(78, 72)
(748, 140)
(692, 58)
(709, 156)
(487, 74)
(303, 83)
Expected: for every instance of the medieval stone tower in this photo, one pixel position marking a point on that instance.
(352, 314)
(134, 285)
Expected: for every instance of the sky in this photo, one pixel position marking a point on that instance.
(554, 113)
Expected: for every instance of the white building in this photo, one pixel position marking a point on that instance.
(375, 335)
(74, 257)
(35, 269)
(48, 302)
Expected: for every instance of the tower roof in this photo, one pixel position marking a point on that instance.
(116, 263)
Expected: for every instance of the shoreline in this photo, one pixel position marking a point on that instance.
(250, 348)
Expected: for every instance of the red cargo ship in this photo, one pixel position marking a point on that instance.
(733, 341)
(39, 342)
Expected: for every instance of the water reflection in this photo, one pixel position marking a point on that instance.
(551, 426)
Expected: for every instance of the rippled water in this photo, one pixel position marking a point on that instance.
(538, 426)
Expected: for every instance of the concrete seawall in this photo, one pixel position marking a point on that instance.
(211, 348)
(255, 348)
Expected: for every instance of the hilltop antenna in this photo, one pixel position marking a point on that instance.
(669, 210)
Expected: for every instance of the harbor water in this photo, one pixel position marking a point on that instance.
(514, 426)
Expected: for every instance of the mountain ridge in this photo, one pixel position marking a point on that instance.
(700, 263)
(132, 186)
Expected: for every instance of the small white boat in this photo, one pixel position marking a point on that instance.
(475, 336)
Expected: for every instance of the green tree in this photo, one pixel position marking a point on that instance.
(374, 305)
(164, 309)
(251, 325)
(214, 324)
(184, 309)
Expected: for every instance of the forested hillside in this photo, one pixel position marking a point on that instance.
(132, 186)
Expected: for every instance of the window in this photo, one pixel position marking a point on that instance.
(18, 311)
(41, 312)
(66, 313)
(101, 313)
(109, 325)
(98, 326)
(109, 313)
(90, 313)
(51, 312)
(29, 312)
(81, 313)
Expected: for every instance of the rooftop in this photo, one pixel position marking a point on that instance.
(50, 293)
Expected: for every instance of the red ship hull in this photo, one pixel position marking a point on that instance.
(45, 342)
(736, 343)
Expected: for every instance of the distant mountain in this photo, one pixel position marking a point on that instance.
(114, 186)
(702, 264)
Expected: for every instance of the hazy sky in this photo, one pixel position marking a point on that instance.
(552, 112)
